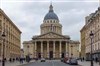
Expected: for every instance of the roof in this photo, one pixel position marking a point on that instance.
(51, 14)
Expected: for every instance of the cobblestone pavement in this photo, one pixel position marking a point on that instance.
(87, 63)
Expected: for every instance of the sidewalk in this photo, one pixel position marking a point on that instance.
(87, 63)
(16, 63)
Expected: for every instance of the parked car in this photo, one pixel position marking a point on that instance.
(72, 61)
(65, 59)
(43, 60)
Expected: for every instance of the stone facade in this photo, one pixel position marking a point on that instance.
(51, 43)
(13, 37)
(92, 24)
(83, 32)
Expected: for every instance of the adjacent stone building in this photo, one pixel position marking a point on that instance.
(51, 43)
(83, 42)
(92, 24)
(12, 39)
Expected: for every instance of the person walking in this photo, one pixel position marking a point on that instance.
(96, 59)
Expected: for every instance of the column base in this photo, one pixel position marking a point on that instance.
(53, 55)
(60, 55)
(47, 55)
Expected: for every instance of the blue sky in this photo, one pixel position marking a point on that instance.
(28, 15)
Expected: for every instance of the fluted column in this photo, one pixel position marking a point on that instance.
(60, 49)
(35, 50)
(41, 49)
(47, 49)
(54, 49)
(66, 49)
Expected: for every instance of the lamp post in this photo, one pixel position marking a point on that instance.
(91, 37)
(3, 54)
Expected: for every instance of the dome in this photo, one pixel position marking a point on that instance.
(51, 14)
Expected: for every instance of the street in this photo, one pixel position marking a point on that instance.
(48, 63)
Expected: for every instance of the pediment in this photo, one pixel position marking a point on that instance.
(51, 35)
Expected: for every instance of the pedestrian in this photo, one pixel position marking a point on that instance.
(5, 59)
(9, 59)
(28, 58)
(96, 59)
(13, 59)
(20, 60)
(83, 58)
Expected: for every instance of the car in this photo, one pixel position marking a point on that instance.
(72, 61)
(43, 60)
(65, 59)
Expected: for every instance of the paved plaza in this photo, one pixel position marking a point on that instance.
(87, 63)
(48, 63)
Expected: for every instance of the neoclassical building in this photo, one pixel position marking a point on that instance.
(12, 42)
(51, 43)
(92, 24)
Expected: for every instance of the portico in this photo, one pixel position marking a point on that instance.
(50, 49)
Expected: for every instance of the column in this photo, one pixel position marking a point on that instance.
(47, 49)
(68, 47)
(66, 50)
(54, 49)
(41, 49)
(60, 49)
(35, 50)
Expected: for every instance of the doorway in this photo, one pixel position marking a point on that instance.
(39, 55)
(51, 55)
(62, 56)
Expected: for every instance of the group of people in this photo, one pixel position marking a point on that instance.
(95, 59)
(20, 59)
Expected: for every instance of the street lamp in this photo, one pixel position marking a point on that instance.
(3, 54)
(91, 37)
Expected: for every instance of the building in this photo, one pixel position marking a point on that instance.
(92, 24)
(51, 43)
(28, 48)
(21, 53)
(83, 42)
(12, 39)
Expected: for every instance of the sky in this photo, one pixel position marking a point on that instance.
(28, 15)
